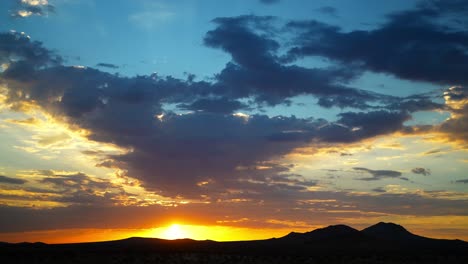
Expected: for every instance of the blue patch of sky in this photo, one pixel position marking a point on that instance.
(143, 36)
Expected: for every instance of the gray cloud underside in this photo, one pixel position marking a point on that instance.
(422, 171)
(298, 207)
(71, 189)
(9, 180)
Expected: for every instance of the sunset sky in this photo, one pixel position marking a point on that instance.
(231, 120)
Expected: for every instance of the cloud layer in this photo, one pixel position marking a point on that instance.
(207, 149)
(172, 153)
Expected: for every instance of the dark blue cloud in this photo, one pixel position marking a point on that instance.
(257, 71)
(17, 46)
(415, 45)
(415, 105)
(352, 127)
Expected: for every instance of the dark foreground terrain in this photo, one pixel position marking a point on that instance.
(381, 243)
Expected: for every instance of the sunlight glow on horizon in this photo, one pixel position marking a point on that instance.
(216, 233)
(421, 226)
(174, 231)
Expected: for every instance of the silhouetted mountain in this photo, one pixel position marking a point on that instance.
(335, 236)
(330, 232)
(399, 236)
(391, 231)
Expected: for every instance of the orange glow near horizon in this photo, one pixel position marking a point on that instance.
(172, 231)
(179, 231)
(217, 233)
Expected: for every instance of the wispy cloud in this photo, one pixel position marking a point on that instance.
(378, 174)
(107, 65)
(154, 15)
(328, 10)
(422, 171)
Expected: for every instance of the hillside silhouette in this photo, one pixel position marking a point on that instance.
(380, 243)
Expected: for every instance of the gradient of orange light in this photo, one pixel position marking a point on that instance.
(422, 227)
(217, 233)
(70, 235)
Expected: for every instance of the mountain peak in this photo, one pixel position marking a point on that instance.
(329, 232)
(389, 225)
(336, 229)
(389, 231)
(382, 226)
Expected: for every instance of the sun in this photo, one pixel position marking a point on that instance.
(174, 231)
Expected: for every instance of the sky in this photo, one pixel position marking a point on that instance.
(235, 121)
